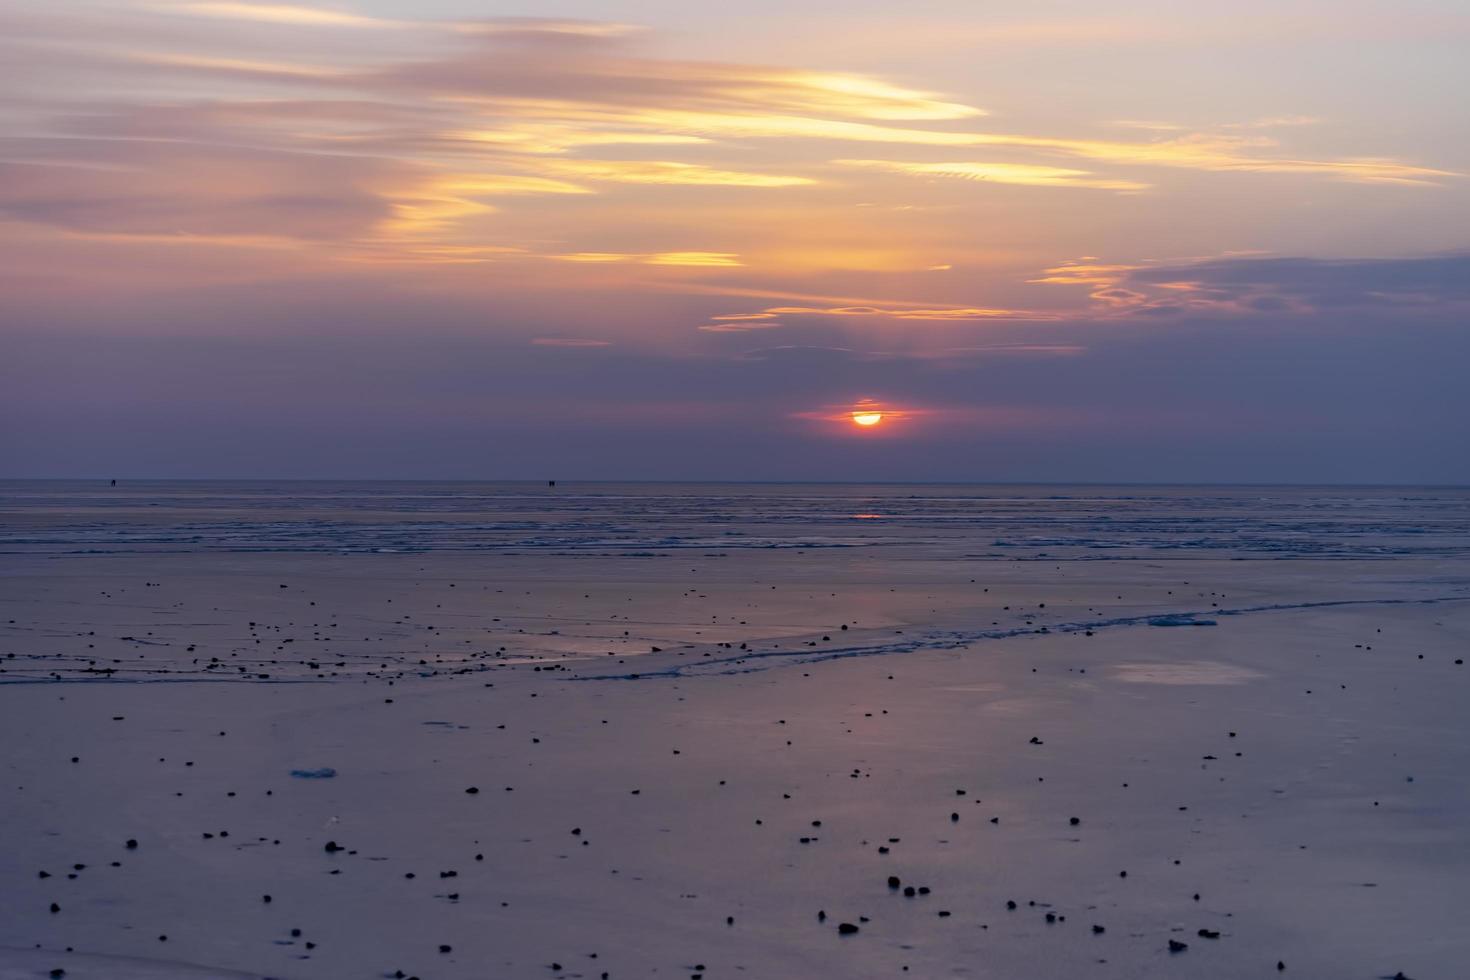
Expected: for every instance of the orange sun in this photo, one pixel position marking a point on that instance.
(867, 417)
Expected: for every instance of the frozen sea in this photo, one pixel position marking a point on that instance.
(1210, 732)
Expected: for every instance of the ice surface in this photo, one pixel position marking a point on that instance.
(684, 705)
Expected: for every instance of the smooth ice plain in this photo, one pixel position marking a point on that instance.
(351, 730)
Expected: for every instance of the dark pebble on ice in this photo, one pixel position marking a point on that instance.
(332, 847)
(472, 790)
(846, 928)
(1209, 934)
(893, 881)
(1175, 946)
(131, 845)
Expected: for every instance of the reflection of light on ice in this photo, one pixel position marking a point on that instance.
(866, 517)
(1205, 672)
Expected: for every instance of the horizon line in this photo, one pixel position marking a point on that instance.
(558, 481)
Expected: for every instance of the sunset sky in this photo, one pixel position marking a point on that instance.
(669, 240)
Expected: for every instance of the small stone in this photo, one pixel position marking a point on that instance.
(846, 928)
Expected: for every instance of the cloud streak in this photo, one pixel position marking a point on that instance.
(1270, 284)
(1000, 173)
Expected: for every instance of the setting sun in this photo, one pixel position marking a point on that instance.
(867, 418)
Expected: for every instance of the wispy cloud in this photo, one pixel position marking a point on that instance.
(150, 187)
(707, 259)
(693, 259)
(1000, 173)
(1269, 284)
(912, 313)
(275, 13)
(669, 172)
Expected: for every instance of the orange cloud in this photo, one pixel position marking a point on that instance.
(694, 259)
(669, 172)
(276, 13)
(902, 313)
(1000, 173)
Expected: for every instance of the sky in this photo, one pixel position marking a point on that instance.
(472, 239)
